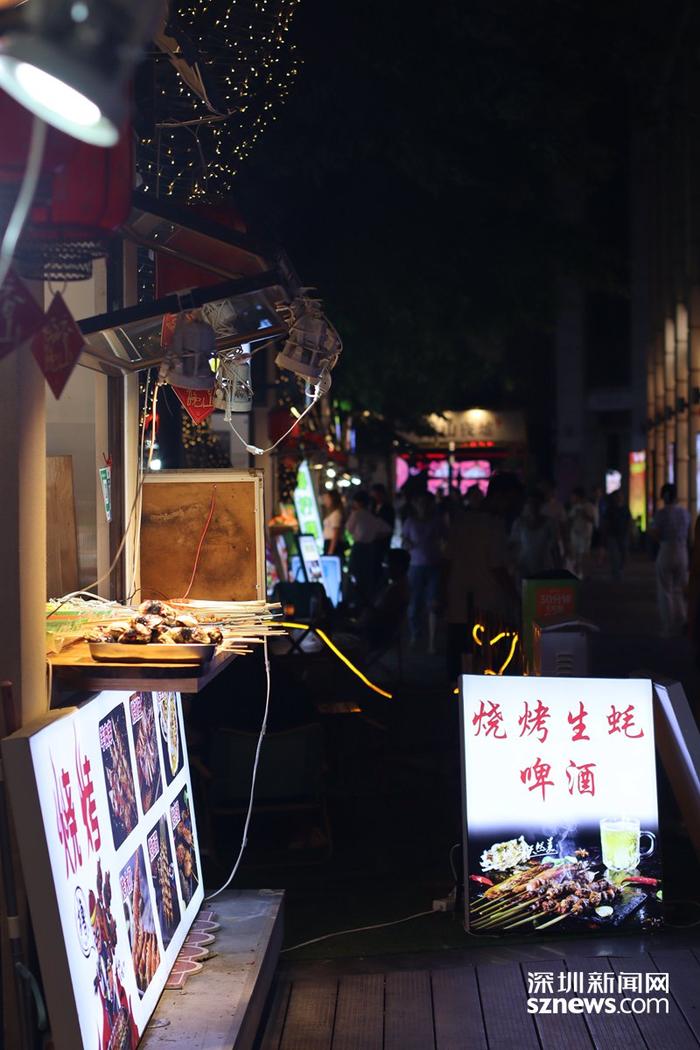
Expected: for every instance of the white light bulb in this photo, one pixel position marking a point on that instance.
(156, 464)
(330, 472)
(55, 95)
(329, 484)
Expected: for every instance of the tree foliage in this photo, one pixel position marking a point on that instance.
(420, 174)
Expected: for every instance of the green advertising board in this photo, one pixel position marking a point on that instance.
(306, 504)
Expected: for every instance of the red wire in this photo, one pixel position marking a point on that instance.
(201, 541)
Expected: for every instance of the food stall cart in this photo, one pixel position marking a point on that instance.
(179, 557)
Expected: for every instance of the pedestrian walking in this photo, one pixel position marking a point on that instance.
(423, 537)
(670, 528)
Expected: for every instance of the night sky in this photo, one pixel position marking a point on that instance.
(416, 173)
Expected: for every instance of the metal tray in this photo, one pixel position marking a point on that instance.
(152, 653)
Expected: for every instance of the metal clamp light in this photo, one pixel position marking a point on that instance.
(70, 61)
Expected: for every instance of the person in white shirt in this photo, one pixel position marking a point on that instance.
(582, 520)
(671, 530)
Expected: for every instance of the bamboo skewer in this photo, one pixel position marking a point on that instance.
(553, 921)
(501, 917)
(528, 918)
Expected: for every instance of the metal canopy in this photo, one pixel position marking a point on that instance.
(255, 276)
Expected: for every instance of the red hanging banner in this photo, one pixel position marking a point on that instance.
(197, 403)
(58, 345)
(20, 314)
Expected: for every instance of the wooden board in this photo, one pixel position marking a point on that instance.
(359, 1015)
(176, 507)
(61, 531)
(660, 1031)
(475, 1005)
(503, 1000)
(457, 1010)
(559, 1030)
(310, 1015)
(683, 970)
(74, 668)
(408, 1015)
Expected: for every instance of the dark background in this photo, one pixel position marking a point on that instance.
(420, 175)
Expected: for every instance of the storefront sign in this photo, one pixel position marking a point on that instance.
(475, 425)
(102, 802)
(638, 488)
(560, 804)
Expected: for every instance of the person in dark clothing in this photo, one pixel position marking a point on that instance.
(381, 621)
(617, 524)
(383, 509)
(381, 505)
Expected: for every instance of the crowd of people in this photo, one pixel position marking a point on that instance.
(465, 553)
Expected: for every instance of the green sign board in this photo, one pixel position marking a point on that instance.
(306, 504)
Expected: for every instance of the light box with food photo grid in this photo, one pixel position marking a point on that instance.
(102, 803)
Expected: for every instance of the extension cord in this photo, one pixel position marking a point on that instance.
(445, 903)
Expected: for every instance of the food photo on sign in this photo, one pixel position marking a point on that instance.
(145, 738)
(185, 846)
(163, 878)
(566, 836)
(136, 897)
(109, 911)
(170, 734)
(119, 778)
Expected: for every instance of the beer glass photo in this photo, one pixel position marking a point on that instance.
(620, 843)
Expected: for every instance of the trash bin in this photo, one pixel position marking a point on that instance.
(562, 649)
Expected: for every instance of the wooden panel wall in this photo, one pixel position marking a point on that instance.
(61, 533)
(175, 513)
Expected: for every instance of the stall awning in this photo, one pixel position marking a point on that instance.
(236, 277)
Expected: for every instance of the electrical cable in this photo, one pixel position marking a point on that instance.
(452, 863)
(23, 203)
(142, 477)
(334, 649)
(263, 728)
(255, 451)
(359, 929)
(201, 541)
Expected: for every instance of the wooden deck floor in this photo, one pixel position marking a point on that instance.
(479, 1006)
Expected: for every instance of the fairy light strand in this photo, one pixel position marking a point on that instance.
(249, 65)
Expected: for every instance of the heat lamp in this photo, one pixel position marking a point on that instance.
(70, 60)
(186, 363)
(313, 346)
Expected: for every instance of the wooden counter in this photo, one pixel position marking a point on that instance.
(74, 668)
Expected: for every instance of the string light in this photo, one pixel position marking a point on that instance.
(248, 65)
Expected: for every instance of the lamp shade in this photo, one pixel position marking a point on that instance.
(70, 62)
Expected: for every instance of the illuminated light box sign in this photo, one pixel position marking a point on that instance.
(560, 805)
(306, 504)
(102, 802)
